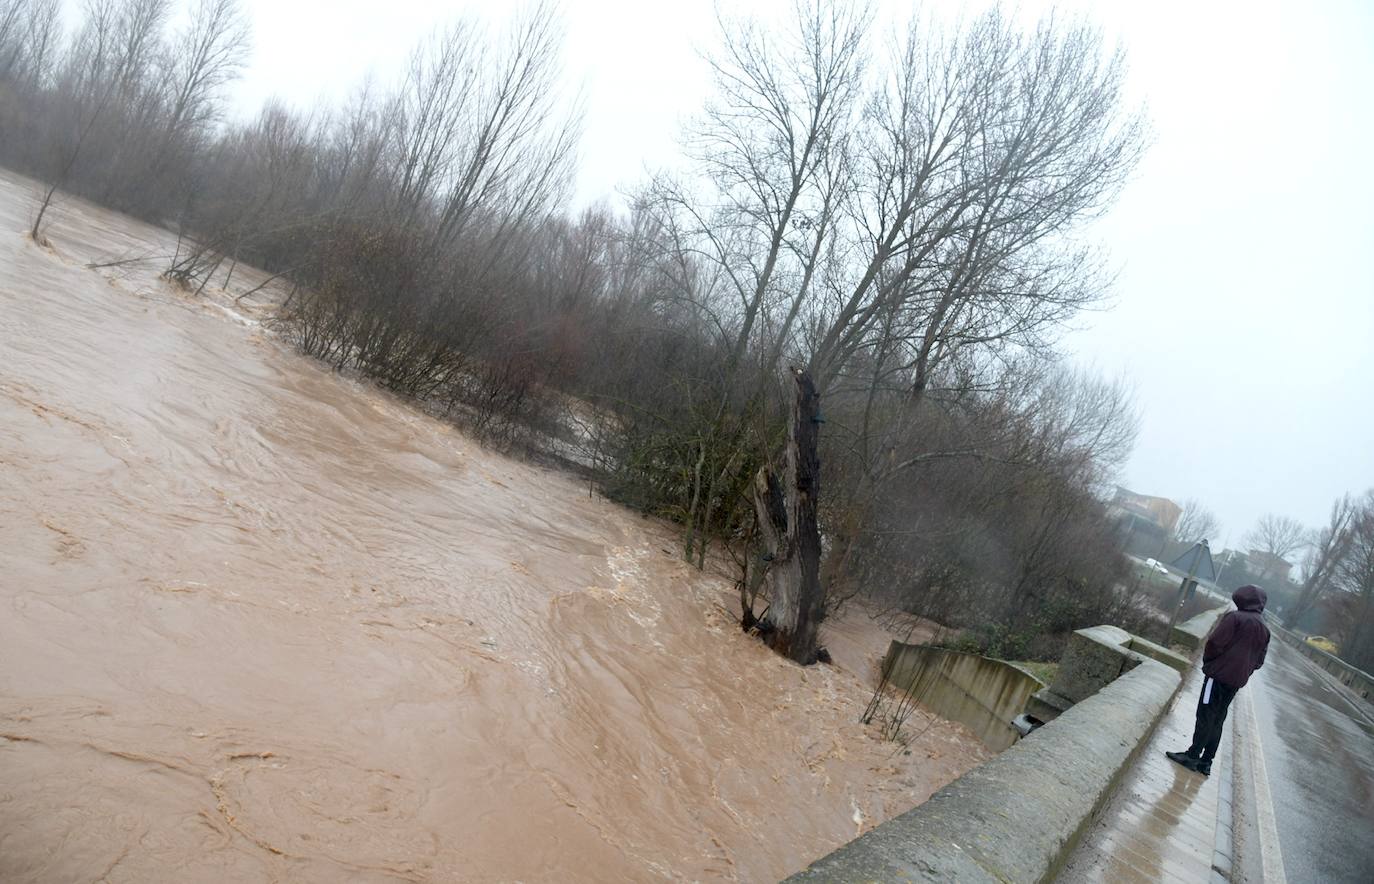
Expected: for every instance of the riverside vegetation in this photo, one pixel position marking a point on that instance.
(902, 219)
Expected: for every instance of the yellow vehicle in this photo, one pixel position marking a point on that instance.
(1322, 643)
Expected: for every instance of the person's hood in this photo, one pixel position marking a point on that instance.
(1249, 598)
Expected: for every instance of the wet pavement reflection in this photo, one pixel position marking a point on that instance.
(1319, 756)
(1161, 823)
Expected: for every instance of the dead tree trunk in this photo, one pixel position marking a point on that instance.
(786, 509)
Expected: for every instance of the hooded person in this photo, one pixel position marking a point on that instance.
(1234, 650)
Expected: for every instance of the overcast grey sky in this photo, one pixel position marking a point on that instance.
(1244, 310)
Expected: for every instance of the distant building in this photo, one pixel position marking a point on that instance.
(1146, 523)
(1161, 511)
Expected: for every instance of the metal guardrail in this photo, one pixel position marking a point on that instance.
(1359, 682)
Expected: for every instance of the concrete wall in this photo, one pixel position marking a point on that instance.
(1361, 683)
(1017, 817)
(982, 694)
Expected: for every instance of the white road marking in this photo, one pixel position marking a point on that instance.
(1271, 855)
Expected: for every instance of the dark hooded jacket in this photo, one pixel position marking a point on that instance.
(1237, 646)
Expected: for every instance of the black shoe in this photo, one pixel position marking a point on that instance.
(1183, 759)
(1203, 767)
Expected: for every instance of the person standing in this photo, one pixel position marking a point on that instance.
(1233, 652)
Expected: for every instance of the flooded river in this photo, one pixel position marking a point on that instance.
(259, 622)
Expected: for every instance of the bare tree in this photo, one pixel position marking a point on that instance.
(786, 503)
(984, 146)
(1018, 549)
(772, 151)
(112, 53)
(1196, 523)
(1324, 558)
(1355, 575)
(1277, 537)
(880, 225)
(13, 16)
(29, 32)
(478, 131)
(207, 56)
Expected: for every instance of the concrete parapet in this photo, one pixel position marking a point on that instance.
(1160, 653)
(1192, 633)
(982, 694)
(1094, 658)
(1017, 817)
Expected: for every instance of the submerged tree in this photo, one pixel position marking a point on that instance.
(786, 501)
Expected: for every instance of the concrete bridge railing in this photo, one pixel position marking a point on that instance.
(1094, 658)
(1017, 817)
(1192, 634)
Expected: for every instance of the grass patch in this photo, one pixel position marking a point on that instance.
(1043, 671)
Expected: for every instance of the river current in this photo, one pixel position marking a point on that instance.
(261, 622)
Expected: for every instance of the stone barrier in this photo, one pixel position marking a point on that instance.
(1017, 817)
(1094, 658)
(1192, 633)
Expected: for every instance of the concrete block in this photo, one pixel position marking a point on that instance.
(1160, 653)
(1093, 658)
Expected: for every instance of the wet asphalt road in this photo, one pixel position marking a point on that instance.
(1319, 752)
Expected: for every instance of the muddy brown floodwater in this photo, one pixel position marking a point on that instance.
(261, 622)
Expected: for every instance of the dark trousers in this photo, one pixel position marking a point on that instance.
(1212, 704)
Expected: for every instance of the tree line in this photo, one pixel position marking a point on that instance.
(1332, 591)
(825, 347)
(1336, 593)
